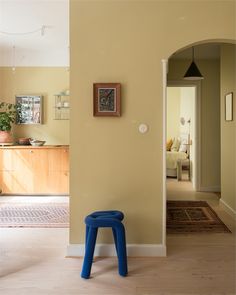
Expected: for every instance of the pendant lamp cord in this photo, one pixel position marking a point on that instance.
(41, 30)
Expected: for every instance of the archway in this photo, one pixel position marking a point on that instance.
(165, 70)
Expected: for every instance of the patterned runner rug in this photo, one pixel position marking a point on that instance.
(34, 215)
(193, 217)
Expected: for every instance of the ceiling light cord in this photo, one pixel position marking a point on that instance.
(41, 30)
(14, 59)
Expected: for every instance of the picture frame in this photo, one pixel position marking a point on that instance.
(29, 109)
(107, 99)
(229, 106)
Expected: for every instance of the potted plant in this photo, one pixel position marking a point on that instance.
(7, 117)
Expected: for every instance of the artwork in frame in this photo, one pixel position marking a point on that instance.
(106, 99)
(229, 107)
(29, 109)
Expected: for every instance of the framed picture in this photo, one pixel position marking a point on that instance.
(106, 99)
(229, 107)
(29, 109)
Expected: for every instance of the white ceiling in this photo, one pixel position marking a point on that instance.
(19, 17)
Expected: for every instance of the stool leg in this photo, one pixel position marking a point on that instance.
(89, 251)
(86, 235)
(121, 253)
(115, 239)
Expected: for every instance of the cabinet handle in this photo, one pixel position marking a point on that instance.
(31, 151)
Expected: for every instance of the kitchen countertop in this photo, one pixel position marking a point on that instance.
(33, 147)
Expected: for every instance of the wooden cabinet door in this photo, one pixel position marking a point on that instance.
(16, 175)
(6, 182)
(22, 171)
(40, 170)
(6, 160)
(58, 168)
(65, 171)
(6, 168)
(34, 171)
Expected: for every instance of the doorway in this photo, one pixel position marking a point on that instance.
(181, 134)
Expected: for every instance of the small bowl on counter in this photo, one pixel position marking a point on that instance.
(35, 142)
(24, 141)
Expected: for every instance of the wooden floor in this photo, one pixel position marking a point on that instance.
(32, 261)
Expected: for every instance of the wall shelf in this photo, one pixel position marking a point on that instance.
(62, 107)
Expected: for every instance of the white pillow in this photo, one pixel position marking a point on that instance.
(183, 148)
(175, 146)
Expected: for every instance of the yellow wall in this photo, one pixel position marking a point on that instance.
(228, 129)
(173, 112)
(38, 80)
(210, 118)
(1, 85)
(112, 164)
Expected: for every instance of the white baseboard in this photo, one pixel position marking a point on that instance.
(214, 189)
(133, 250)
(228, 209)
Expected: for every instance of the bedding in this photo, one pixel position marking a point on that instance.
(172, 157)
(178, 151)
(175, 146)
(183, 148)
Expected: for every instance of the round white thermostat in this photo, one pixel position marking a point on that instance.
(143, 128)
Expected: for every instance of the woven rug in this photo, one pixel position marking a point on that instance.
(193, 217)
(34, 215)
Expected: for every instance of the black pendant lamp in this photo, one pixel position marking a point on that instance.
(193, 72)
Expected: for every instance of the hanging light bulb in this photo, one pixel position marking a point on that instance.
(14, 59)
(193, 72)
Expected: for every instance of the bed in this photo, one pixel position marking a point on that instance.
(171, 162)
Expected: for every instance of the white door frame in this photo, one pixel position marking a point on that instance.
(197, 129)
(164, 107)
(179, 83)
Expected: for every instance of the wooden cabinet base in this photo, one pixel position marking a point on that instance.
(32, 170)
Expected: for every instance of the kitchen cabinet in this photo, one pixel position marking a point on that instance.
(34, 170)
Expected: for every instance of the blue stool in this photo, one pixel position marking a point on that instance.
(111, 219)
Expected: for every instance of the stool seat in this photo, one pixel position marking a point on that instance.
(103, 218)
(110, 218)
